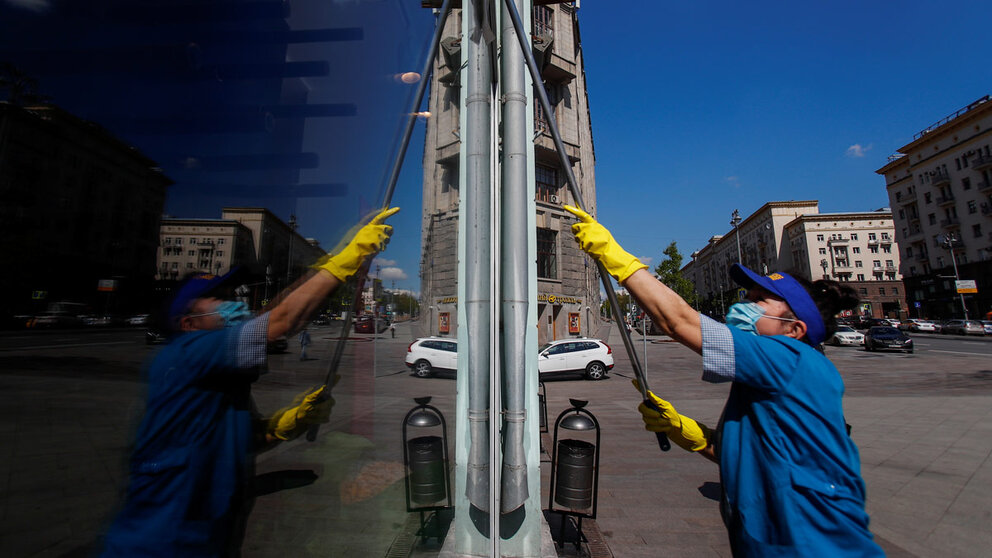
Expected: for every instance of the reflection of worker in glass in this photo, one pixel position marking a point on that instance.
(790, 473)
(193, 455)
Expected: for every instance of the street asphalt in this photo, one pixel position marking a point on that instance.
(923, 423)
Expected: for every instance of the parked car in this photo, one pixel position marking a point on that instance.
(963, 327)
(917, 325)
(590, 358)
(847, 335)
(987, 326)
(57, 319)
(138, 320)
(427, 355)
(367, 324)
(887, 337)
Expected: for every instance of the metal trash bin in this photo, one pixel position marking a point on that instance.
(427, 470)
(576, 468)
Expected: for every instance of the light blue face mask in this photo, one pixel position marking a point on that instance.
(233, 312)
(744, 316)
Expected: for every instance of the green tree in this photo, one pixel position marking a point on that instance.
(669, 272)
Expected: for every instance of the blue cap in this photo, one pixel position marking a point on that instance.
(197, 286)
(792, 292)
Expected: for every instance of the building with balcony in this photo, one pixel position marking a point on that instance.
(568, 283)
(940, 185)
(857, 248)
(267, 249)
(74, 197)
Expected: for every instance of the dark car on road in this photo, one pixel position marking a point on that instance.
(367, 324)
(887, 337)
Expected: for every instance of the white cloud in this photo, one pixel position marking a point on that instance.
(392, 274)
(733, 181)
(646, 261)
(857, 150)
(385, 261)
(32, 5)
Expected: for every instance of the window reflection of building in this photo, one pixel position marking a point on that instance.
(547, 254)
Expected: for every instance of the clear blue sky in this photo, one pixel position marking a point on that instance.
(697, 108)
(702, 108)
(705, 107)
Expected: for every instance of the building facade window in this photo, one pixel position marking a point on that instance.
(861, 277)
(547, 254)
(972, 206)
(976, 230)
(856, 250)
(546, 183)
(819, 237)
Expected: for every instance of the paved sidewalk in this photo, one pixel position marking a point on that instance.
(923, 424)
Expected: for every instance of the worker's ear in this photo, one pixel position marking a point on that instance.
(796, 329)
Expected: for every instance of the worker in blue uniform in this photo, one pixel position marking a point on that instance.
(194, 453)
(790, 473)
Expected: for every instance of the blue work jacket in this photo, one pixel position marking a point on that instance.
(791, 475)
(193, 455)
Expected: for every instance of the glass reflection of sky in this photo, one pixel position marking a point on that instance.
(291, 106)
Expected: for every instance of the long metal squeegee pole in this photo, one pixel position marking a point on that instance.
(573, 187)
(418, 97)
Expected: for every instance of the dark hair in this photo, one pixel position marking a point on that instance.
(830, 297)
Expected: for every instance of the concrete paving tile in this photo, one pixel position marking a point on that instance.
(961, 540)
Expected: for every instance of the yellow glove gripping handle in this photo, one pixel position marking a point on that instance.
(596, 240)
(307, 408)
(683, 431)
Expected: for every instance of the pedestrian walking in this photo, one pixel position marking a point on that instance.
(789, 471)
(392, 330)
(304, 343)
(194, 453)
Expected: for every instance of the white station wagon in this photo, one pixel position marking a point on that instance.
(590, 358)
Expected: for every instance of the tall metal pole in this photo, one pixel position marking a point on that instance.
(289, 258)
(735, 219)
(477, 213)
(949, 241)
(514, 264)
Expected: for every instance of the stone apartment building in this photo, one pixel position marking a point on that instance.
(568, 284)
(940, 187)
(855, 248)
(74, 197)
(267, 248)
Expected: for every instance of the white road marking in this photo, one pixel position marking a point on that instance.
(957, 352)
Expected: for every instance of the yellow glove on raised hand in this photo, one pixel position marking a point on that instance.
(370, 239)
(308, 408)
(682, 430)
(596, 241)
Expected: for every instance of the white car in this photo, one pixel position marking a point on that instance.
(591, 358)
(427, 355)
(847, 335)
(918, 326)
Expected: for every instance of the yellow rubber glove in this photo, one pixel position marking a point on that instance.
(370, 239)
(308, 408)
(596, 241)
(682, 430)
